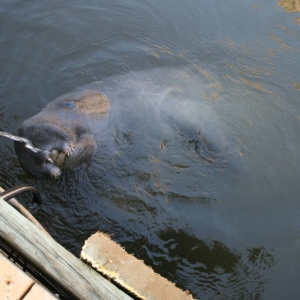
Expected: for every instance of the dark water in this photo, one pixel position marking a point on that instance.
(216, 212)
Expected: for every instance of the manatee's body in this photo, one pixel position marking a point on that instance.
(155, 112)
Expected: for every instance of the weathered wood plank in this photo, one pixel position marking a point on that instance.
(111, 260)
(52, 259)
(37, 292)
(13, 282)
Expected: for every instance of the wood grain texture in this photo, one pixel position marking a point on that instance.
(13, 282)
(37, 292)
(111, 260)
(52, 259)
(16, 284)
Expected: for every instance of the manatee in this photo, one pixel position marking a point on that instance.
(160, 112)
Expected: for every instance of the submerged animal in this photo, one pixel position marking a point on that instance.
(65, 132)
(138, 118)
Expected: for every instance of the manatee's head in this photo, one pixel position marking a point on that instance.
(63, 132)
(58, 149)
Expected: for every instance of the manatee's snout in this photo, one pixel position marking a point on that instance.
(39, 164)
(54, 144)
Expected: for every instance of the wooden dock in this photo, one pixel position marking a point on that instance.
(16, 284)
(111, 260)
(37, 248)
(56, 269)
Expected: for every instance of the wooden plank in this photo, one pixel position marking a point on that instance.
(52, 259)
(38, 292)
(111, 260)
(14, 283)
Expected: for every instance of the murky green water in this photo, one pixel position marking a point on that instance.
(200, 180)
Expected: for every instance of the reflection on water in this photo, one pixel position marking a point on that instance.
(197, 172)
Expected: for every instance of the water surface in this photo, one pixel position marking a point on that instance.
(197, 171)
